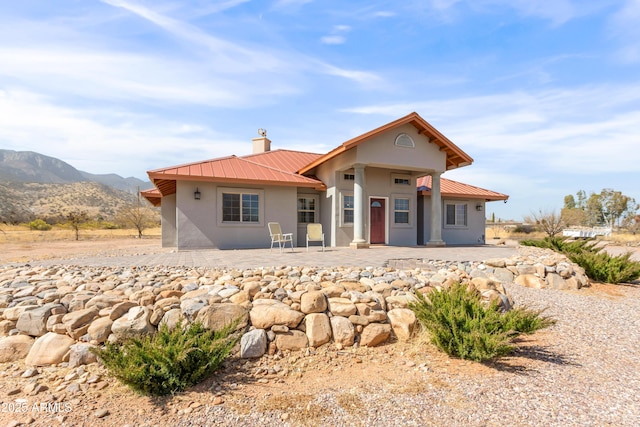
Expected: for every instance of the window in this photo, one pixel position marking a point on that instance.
(401, 181)
(347, 209)
(349, 177)
(306, 209)
(401, 211)
(404, 140)
(456, 214)
(240, 207)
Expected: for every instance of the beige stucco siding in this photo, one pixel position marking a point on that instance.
(200, 222)
(381, 151)
(168, 221)
(471, 234)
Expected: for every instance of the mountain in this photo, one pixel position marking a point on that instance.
(33, 185)
(28, 166)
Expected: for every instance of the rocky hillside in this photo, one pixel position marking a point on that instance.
(36, 186)
(27, 166)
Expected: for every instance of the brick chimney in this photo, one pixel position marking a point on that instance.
(262, 144)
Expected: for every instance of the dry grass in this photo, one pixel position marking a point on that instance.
(496, 232)
(22, 234)
(300, 408)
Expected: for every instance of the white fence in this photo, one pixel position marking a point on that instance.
(586, 232)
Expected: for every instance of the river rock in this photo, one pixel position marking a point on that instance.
(253, 344)
(49, 349)
(15, 347)
(375, 334)
(403, 321)
(133, 324)
(318, 329)
(266, 313)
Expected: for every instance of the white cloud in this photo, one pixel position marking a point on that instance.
(336, 36)
(586, 130)
(333, 39)
(102, 140)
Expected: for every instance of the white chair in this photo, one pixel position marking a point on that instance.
(277, 236)
(315, 234)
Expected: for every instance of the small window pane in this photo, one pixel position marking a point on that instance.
(348, 202)
(231, 207)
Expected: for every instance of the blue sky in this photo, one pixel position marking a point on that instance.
(544, 95)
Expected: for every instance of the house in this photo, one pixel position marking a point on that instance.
(383, 187)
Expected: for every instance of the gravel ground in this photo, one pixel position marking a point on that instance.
(585, 373)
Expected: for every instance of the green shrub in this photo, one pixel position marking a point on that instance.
(603, 267)
(170, 360)
(598, 264)
(461, 325)
(40, 225)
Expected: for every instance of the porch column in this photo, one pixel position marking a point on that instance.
(358, 208)
(436, 211)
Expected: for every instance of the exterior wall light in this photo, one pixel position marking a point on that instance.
(196, 194)
(479, 207)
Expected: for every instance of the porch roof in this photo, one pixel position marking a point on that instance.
(450, 188)
(455, 157)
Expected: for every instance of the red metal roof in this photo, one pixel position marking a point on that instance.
(450, 188)
(286, 160)
(239, 170)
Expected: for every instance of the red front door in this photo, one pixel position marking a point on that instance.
(377, 212)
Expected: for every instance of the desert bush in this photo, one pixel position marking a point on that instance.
(170, 360)
(40, 225)
(462, 325)
(597, 264)
(603, 267)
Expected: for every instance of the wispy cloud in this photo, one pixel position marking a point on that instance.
(337, 35)
(552, 129)
(624, 27)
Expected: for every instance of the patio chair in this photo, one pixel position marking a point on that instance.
(315, 234)
(277, 236)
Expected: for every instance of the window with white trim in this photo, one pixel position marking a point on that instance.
(456, 214)
(401, 210)
(347, 208)
(306, 210)
(240, 207)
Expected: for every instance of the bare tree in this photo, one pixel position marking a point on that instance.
(549, 221)
(76, 219)
(139, 216)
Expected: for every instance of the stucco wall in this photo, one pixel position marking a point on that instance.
(382, 151)
(200, 221)
(168, 221)
(472, 234)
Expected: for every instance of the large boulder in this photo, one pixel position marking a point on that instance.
(253, 344)
(15, 347)
(403, 321)
(343, 331)
(217, 316)
(76, 322)
(100, 329)
(34, 322)
(133, 324)
(375, 334)
(342, 307)
(49, 349)
(292, 340)
(313, 302)
(80, 354)
(266, 312)
(318, 329)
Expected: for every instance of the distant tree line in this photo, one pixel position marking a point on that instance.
(609, 208)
